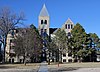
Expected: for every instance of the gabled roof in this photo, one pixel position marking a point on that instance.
(69, 21)
(44, 11)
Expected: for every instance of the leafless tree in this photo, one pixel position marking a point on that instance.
(23, 45)
(8, 21)
(28, 44)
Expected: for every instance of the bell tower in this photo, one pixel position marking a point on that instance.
(43, 20)
(44, 31)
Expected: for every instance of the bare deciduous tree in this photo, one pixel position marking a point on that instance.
(23, 46)
(28, 44)
(8, 21)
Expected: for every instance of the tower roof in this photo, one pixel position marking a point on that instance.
(44, 11)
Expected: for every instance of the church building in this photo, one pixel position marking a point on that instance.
(44, 27)
(44, 30)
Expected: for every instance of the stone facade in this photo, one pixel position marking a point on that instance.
(67, 26)
(9, 51)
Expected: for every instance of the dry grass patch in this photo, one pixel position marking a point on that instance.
(79, 65)
(20, 66)
(72, 66)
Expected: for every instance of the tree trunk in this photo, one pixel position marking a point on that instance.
(25, 58)
(49, 62)
(4, 44)
(25, 62)
(60, 57)
(90, 58)
(78, 59)
(81, 59)
(72, 58)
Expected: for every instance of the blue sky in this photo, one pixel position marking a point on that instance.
(86, 12)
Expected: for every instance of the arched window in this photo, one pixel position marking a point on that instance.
(45, 21)
(71, 26)
(41, 21)
(66, 26)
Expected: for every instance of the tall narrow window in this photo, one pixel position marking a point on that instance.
(9, 60)
(45, 21)
(10, 41)
(71, 26)
(64, 55)
(41, 21)
(68, 26)
(12, 60)
(64, 60)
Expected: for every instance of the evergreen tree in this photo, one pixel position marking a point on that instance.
(93, 43)
(94, 39)
(60, 39)
(79, 39)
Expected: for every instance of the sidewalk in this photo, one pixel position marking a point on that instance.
(43, 67)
